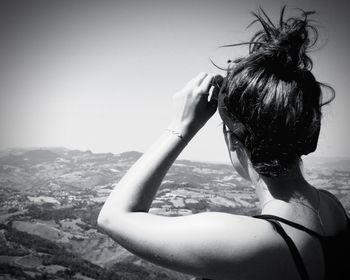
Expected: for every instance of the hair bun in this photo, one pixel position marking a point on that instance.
(284, 45)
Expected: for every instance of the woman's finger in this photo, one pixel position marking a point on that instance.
(206, 84)
(213, 102)
(217, 83)
(196, 81)
(215, 94)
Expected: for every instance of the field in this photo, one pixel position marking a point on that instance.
(50, 199)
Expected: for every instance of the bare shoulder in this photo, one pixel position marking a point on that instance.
(247, 247)
(332, 213)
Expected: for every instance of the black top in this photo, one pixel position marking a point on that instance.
(336, 249)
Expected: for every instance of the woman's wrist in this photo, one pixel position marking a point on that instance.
(176, 133)
(182, 131)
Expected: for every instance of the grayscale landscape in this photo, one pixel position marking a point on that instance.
(50, 200)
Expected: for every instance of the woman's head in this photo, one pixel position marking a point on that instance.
(270, 100)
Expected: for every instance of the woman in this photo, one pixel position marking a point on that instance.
(270, 106)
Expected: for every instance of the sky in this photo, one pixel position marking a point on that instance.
(99, 75)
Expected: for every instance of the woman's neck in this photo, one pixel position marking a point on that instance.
(289, 187)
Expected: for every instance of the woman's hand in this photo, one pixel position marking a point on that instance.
(191, 104)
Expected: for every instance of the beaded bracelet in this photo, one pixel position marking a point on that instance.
(178, 134)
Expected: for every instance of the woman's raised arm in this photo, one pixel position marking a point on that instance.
(203, 244)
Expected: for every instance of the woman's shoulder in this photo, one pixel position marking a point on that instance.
(332, 213)
(295, 243)
(251, 247)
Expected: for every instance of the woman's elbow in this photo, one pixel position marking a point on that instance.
(109, 218)
(105, 217)
(102, 219)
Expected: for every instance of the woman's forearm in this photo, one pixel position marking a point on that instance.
(136, 190)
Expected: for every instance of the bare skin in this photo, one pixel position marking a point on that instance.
(216, 245)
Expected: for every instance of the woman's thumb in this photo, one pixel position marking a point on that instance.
(217, 83)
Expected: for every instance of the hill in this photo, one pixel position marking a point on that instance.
(51, 198)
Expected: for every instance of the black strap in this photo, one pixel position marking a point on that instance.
(298, 226)
(294, 250)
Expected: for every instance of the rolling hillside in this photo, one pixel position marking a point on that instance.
(50, 199)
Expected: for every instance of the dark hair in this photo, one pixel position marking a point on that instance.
(273, 93)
